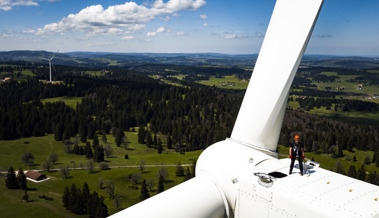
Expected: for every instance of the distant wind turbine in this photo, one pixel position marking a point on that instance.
(50, 62)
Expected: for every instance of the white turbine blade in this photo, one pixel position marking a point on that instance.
(261, 114)
(54, 55)
(198, 197)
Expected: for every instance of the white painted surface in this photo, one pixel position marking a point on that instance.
(261, 115)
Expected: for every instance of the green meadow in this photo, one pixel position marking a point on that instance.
(227, 82)
(69, 101)
(343, 82)
(42, 147)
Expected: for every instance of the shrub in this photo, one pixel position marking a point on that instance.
(104, 166)
(367, 160)
(126, 156)
(45, 197)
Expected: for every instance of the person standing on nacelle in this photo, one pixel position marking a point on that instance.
(296, 151)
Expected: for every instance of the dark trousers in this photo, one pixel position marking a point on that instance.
(300, 158)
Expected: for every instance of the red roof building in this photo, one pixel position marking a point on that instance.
(35, 175)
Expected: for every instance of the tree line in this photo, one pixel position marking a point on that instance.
(189, 118)
(340, 104)
(322, 135)
(81, 201)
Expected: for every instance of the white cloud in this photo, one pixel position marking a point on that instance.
(127, 37)
(8, 34)
(230, 36)
(167, 18)
(159, 30)
(127, 17)
(7, 5)
(205, 24)
(150, 34)
(203, 16)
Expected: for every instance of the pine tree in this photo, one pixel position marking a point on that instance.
(66, 133)
(92, 204)
(188, 174)
(149, 139)
(141, 135)
(169, 142)
(352, 172)
(85, 196)
(179, 169)
(155, 141)
(58, 136)
(102, 209)
(160, 184)
(340, 150)
(144, 191)
(88, 151)
(91, 130)
(99, 154)
(83, 131)
(361, 174)
(95, 139)
(372, 177)
(22, 179)
(75, 204)
(66, 198)
(76, 149)
(160, 148)
(104, 137)
(119, 136)
(11, 180)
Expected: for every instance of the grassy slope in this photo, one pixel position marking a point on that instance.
(348, 86)
(41, 147)
(228, 80)
(13, 206)
(70, 101)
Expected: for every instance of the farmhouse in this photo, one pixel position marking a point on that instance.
(35, 176)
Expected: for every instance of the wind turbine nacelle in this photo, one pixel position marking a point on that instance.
(226, 163)
(254, 184)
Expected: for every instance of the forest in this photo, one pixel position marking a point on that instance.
(191, 117)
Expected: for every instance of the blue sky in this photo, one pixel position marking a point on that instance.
(344, 27)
